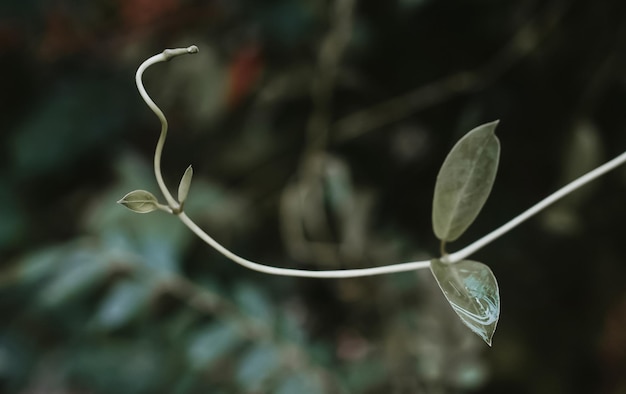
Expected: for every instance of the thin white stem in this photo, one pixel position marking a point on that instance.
(552, 198)
(164, 56)
(348, 273)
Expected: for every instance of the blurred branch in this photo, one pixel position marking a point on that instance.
(322, 86)
(306, 226)
(610, 66)
(211, 304)
(524, 42)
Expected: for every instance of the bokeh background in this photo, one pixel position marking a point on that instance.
(316, 130)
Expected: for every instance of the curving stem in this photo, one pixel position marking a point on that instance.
(164, 56)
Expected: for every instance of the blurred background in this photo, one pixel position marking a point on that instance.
(316, 130)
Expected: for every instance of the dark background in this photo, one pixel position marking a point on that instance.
(355, 105)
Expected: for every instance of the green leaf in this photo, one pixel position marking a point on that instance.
(134, 366)
(38, 265)
(255, 303)
(209, 344)
(81, 272)
(140, 201)
(301, 383)
(185, 182)
(257, 367)
(123, 302)
(472, 290)
(464, 181)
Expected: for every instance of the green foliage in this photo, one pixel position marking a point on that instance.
(124, 301)
(208, 344)
(472, 291)
(131, 366)
(258, 365)
(254, 301)
(62, 129)
(305, 384)
(465, 181)
(234, 340)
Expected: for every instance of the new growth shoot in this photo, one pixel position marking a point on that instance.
(463, 185)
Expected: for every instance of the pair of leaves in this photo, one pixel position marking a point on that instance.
(142, 201)
(463, 185)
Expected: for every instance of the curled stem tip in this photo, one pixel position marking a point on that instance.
(170, 53)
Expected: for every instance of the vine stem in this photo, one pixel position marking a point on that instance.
(346, 273)
(164, 56)
(541, 205)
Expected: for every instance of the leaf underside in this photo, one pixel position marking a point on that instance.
(472, 291)
(465, 181)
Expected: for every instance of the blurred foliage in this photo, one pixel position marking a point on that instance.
(316, 130)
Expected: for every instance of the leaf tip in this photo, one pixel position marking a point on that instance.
(491, 126)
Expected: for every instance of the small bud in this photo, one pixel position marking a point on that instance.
(140, 201)
(185, 183)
